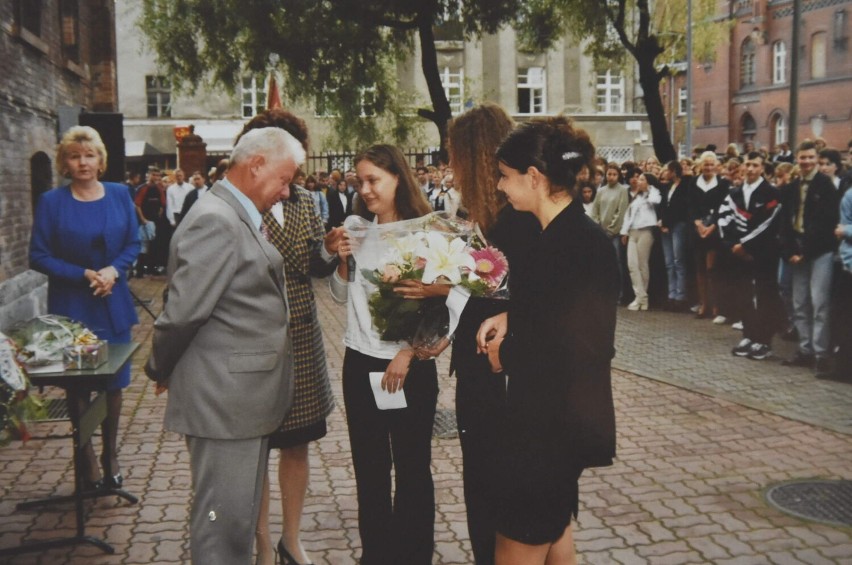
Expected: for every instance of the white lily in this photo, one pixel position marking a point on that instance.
(445, 258)
(407, 246)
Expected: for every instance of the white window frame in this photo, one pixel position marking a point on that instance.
(609, 92)
(747, 63)
(161, 89)
(780, 129)
(366, 91)
(819, 54)
(779, 62)
(252, 96)
(453, 83)
(682, 100)
(537, 91)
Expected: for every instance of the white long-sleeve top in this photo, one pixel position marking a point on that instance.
(641, 212)
(175, 195)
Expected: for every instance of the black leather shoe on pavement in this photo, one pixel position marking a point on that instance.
(799, 360)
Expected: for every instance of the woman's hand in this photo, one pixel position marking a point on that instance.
(417, 289)
(344, 251)
(493, 348)
(397, 370)
(97, 282)
(333, 239)
(424, 353)
(493, 328)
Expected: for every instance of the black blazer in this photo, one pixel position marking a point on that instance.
(336, 212)
(675, 208)
(561, 340)
(821, 216)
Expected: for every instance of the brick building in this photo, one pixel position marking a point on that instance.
(744, 95)
(57, 57)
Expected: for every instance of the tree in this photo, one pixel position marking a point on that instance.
(647, 30)
(342, 53)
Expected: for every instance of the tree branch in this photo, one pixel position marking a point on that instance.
(618, 24)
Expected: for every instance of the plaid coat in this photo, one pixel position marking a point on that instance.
(299, 241)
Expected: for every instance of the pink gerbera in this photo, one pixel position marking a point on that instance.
(491, 265)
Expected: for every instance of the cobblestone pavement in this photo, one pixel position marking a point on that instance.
(693, 463)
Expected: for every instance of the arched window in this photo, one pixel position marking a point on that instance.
(779, 62)
(818, 55)
(779, 129)
(41, 177)
(749, 128)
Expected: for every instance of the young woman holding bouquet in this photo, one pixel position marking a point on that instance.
(395, 528)
(480, 395)
(555, 344)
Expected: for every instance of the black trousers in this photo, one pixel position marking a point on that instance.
(754, 295)
(480, 407)
(843, 335)
(398, 529)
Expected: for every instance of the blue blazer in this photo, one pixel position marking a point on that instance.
(69, 237)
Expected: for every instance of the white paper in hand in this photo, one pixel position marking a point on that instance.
(384, 399)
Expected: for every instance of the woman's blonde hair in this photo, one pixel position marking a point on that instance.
(84, 135)
(473, 138)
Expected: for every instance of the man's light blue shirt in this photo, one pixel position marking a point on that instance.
(253, 213)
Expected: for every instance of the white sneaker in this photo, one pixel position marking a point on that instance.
(719, 320)
(743, 348)
(737, 326)
(695, 309)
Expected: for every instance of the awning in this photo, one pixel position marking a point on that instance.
(218, 137)
(139, 149)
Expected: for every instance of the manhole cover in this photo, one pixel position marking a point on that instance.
(445, 425)
(829, 502)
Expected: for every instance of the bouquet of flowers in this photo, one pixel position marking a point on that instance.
(17, 404)
(434, 249)
(42, 340)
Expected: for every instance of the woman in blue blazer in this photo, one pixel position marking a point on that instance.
(85, 240)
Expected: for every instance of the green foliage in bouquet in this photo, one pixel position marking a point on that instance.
(396, 318)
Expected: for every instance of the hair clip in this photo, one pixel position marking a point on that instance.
(570, 155)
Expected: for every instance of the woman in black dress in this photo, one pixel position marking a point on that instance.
(555, 344)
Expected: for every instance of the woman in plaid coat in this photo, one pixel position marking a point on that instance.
(294, 228)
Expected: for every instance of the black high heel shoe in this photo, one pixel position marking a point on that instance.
(284, 557)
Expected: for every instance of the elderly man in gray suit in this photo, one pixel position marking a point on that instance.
(222, 344)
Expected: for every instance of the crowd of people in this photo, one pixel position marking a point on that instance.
(752, 239)
(761, 240)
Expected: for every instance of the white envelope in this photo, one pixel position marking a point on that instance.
(384, 399)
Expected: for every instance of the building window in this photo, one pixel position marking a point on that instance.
(253, 96)
(610, 93)
(779, 129)
(159, 94)
(325, 109)
(453, 83)
(531, 91)
(41, 177)
(707, 115)
(747, 63)
(69, 18)
(29, 16)
(818, 55)
(779, 62)
(841, 37)
(681, 101)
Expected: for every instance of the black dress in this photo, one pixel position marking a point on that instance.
(481, 394)
(560, 417)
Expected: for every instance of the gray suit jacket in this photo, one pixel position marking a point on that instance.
(223, 341)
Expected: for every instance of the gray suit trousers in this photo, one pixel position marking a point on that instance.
(227, 481)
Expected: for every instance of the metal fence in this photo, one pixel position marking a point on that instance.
(342, 160)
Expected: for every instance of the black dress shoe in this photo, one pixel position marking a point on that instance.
(799, 360)
(284, 557)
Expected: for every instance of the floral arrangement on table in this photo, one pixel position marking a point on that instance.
(42, 341)
(434, 249)
(17, 404)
